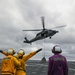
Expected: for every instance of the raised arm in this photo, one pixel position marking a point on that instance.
(3, 52)
(28, 56)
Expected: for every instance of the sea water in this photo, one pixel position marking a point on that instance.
(37, 68)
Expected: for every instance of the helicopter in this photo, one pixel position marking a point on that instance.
(43, 34)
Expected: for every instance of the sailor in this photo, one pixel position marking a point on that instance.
(57, 64)
(21, 70)
(9, 62)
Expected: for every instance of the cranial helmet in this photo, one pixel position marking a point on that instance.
(56, 49)
(21, 51)
(10, 51)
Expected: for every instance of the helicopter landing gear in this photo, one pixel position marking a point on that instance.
(50, 37)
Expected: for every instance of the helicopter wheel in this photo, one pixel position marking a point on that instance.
(50, 37)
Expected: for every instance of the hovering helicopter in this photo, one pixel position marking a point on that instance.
(43, 34)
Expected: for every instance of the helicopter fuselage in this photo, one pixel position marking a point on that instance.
(44, 34)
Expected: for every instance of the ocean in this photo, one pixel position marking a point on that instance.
(37, 68)
(34, 67)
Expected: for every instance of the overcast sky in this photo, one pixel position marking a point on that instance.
(17, 15)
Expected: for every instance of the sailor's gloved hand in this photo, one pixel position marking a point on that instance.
(1, 51)
(39, 50)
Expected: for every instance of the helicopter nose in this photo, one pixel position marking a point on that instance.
(57, 31)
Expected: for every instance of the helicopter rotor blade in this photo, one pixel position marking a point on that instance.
(59, 26)
(33, 30)
(42, 18)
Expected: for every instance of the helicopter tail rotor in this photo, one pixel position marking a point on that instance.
(26, 40)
